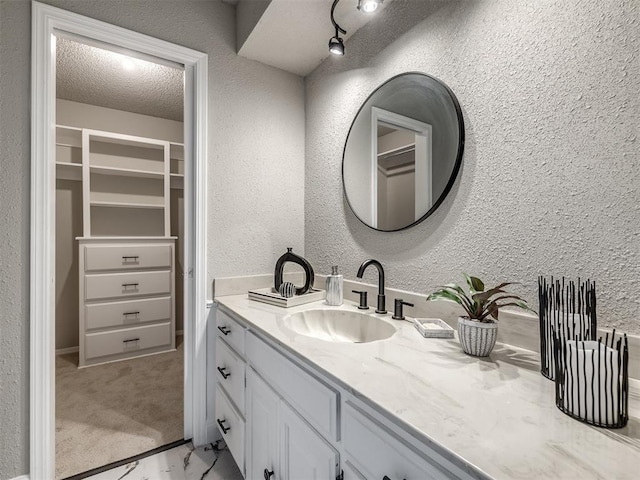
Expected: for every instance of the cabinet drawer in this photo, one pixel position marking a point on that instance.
(126, 257)
(232, 332)
(233, 423)
(230, 371)
(122, 285)
(127, 340)
(128, 313)
(378, 452)
(315, 401)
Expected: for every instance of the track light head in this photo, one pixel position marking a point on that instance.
(336, 46)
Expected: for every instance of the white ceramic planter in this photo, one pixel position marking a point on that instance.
(476, 338)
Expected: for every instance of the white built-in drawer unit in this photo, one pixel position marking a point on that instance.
(127, 301)
(230, 371)
(127, 313)
(316, 401)
(231, 425)
(134, 256)
(127, 340)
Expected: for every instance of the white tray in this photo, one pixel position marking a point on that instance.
(270, 296)
(433, 328)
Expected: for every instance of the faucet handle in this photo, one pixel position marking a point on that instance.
(397, 308)
(363, 299)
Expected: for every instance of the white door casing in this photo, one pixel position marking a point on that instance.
(47, 22)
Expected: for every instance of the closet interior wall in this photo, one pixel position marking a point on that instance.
(69, 219)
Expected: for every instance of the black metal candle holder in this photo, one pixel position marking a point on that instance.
(569, 308)
(592, 379)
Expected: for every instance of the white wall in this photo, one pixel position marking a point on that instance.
(256, 169)
(550, 182)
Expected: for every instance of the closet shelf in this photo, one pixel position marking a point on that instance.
(127, 205)
(125, 172)
(68, 171)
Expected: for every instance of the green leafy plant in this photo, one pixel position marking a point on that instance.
(481, 305)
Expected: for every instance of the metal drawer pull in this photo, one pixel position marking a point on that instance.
(126, 314)
(222, 372)
(224, 429)
(126, 258)
(127, 285)
(131, 340)
(267, 474)
(224, 330)
(387, 478)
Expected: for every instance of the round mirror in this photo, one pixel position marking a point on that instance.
(403, 152)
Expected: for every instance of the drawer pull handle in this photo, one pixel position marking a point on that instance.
(387, 478)
(224, 429)
(267, 474)
(133, 258)
(131, 340)
(224, 330)
(132, 285)
(126, 314)
(222, 372)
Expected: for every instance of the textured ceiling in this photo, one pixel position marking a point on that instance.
(104, 78)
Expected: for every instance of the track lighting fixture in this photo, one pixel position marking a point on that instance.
(336, 46)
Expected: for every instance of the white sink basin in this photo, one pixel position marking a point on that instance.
(339, 326)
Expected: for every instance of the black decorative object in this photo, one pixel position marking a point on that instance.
(569, 309)
(292, 257)
(592, 379)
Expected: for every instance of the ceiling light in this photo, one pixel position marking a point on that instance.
(369, 6)
(336, 46)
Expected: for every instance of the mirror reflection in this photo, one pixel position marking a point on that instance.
(403, 152)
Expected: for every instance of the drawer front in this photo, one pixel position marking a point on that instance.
(377, 453)
(315, 401)
(127, 313)
(126, 257)
(232, 332)
(122, 285)
(127, 340)
(231, 426)
(230, 370)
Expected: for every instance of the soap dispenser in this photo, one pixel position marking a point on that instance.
(334, 287)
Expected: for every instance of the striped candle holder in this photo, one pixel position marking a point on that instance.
(569, 309)
(592, 379)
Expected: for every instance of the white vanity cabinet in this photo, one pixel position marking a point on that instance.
(280, 444)
(302, 426)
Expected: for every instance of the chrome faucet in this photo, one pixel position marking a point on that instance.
(381, 308)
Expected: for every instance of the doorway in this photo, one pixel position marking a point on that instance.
(48, 24)
(119, 215)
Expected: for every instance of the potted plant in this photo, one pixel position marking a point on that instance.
(478, 330)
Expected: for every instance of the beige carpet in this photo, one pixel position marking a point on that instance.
(114, 411)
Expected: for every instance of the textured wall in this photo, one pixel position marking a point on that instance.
(550, 182)
(256, 128)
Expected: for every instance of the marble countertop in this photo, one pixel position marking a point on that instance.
(498, 414)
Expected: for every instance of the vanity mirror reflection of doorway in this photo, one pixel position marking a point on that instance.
(119, 375)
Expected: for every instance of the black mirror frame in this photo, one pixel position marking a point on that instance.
(456, 167)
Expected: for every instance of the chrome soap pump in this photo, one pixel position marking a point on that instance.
(334, 287)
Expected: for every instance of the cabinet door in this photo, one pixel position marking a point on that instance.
(262, 428)
(303, 453)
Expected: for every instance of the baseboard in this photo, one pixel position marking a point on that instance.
(21, 477)
(64, 351)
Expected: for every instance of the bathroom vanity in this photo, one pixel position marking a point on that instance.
(291, 406)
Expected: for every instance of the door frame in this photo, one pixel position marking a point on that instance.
(46, 22)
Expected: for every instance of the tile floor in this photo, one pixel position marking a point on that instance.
(211, 462)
